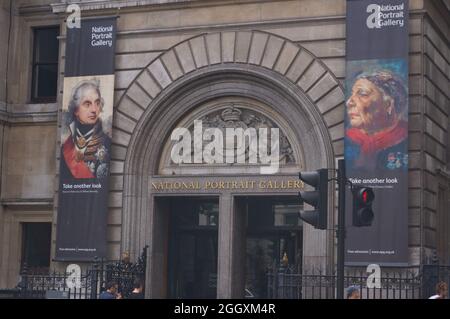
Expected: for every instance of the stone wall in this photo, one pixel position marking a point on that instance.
(4, 25)
(431, 120)
(27, 135)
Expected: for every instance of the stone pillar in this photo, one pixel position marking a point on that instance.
(314, 248)
(231, 263)
(239, 247)
(225, 243)
(157, 266)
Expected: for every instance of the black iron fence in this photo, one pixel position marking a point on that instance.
(399, 283)
(86, 285)
(285, 282)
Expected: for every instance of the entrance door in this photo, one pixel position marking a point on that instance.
(274, 239)
(193, 248)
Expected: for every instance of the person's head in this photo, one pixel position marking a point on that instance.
(111, 287)
(126, 257)
(353, 293)
(137, 285)
(442, 289)
(86, 102)
(377, 101)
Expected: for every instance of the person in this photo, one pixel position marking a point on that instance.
(138, 291)
(86, 151)
(441, 291)
(376, 135)
(111, 291)
(353, 293)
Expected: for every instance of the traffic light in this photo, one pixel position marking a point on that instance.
(317, 198)
(362, 206)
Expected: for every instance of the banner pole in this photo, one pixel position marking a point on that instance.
(341, 229)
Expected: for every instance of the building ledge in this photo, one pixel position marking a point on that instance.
(35, 10)
(121, 4)
(28, 203)
(28, 113)
(107, 4)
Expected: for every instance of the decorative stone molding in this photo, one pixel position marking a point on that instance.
(235, 112)
(249, 48)
(235, 117)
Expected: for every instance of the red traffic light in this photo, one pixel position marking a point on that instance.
(362, 206)
(366, 195)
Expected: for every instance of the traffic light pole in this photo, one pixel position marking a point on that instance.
(342, 179)
(362, 211)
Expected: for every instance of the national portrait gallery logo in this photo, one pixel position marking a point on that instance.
(226, 140)
(388, 15)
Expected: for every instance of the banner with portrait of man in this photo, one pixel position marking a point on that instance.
(86, 133)
(376, 128)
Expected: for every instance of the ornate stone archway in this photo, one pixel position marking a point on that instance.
(256, 65)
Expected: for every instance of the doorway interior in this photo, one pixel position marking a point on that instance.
(271, 236)
(274, 238)
(193, 247)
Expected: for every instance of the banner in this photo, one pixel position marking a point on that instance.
(86, 132)
(376, 127)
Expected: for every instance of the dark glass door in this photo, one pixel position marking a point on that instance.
(266, 252)
(274, 239)
(193, 249)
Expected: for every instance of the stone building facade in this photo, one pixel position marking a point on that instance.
(281, 63)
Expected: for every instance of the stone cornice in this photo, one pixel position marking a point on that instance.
(35, 9)
(28, 203)
(28, 113)
(122, 4)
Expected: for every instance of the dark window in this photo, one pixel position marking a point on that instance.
(45, 65)
(36, 242)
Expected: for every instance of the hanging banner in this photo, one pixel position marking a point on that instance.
(376, 127)
(86, 132)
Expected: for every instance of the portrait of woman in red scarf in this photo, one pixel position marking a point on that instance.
(377, 128)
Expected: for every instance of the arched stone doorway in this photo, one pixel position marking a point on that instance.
(291, 87)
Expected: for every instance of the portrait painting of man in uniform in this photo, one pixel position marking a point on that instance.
(86, 146)
(377, 116)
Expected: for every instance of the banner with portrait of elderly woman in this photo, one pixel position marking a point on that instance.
(376, 128)
(86, 132)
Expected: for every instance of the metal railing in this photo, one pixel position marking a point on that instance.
(284, 282)
(289, 283)
(89, 284)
